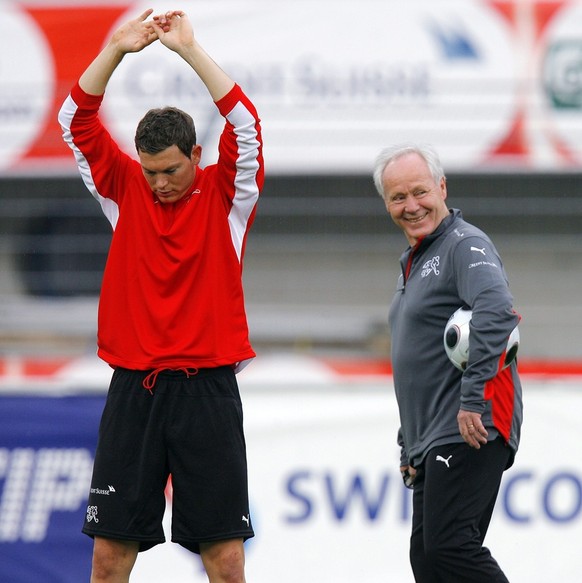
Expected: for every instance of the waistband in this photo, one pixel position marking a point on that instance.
(152, 375)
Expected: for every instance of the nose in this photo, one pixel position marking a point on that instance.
(160, 181)
(411, 205)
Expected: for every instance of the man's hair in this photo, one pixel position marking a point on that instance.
(164, 127)
(425, 151)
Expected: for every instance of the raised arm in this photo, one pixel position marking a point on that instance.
(132, 37)
(175, 32)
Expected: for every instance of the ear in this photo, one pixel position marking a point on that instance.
(196, 154)
(443, 187)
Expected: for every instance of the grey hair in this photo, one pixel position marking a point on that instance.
(387, 155)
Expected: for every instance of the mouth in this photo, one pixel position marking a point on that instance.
(415, 220)
(165, 196)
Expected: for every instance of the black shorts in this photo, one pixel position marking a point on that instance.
(189, 427)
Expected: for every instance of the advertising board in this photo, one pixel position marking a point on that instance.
(493, 84)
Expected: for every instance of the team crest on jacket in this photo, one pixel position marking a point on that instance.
(431, 266)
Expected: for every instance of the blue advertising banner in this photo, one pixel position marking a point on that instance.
(47, 446)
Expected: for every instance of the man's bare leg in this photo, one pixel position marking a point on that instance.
(224, 561)
(113, 560)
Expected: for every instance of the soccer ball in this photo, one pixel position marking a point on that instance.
(456, 340)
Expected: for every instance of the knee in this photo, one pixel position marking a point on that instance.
(224, 561)
(433, 556)
(417, 554)
(113, 560)
(440, 556)
(427, 556)
(424, 562)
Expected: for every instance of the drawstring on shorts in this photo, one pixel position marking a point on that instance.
(150, 380)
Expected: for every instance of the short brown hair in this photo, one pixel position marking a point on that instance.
(163, 127)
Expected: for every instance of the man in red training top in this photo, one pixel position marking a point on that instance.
(172, 320)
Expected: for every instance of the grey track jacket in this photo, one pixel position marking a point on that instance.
(455, 266)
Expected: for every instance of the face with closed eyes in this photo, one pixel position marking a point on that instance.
(170, 173)
(415, 202)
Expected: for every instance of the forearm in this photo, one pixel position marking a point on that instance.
(131, 37)
(216, 80)
(95, 78)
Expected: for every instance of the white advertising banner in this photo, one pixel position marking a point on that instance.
(328, 503)
(491, 83)
(334, 82)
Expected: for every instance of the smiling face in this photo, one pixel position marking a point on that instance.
(415, 202)
(170, 173)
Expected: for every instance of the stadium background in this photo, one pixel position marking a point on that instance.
(495, 85)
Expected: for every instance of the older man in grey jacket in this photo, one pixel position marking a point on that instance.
(459, 429)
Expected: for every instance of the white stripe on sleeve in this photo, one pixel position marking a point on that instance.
(108, 206)
(247, 166)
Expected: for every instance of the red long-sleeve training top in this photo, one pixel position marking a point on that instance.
(172, 291)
